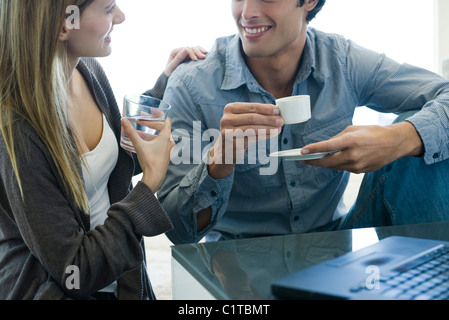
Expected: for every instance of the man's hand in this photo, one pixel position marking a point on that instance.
(367, 148)
(242, 124)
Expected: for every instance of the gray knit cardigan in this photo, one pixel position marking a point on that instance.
(47, 250)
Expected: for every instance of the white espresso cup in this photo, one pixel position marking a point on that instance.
(295, 109)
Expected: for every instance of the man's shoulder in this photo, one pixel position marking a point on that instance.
(327, 49)
(325, 38)
(211, 67)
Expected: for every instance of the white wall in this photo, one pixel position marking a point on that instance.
(141, 45)
(441, 33)
(402, 29)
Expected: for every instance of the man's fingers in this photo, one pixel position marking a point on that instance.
(258, 108)
(331, 145)
(251, 116)
(251, 121)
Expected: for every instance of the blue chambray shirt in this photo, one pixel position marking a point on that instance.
(294, 198)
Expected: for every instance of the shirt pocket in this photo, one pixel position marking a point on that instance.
(255, 176)
(321, 131)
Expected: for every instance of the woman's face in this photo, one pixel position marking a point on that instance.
(93, 37)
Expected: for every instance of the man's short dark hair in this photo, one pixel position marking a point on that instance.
(315, 10)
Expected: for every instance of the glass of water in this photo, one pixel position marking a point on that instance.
(146, 114)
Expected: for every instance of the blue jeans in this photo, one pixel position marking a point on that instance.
(407, 191)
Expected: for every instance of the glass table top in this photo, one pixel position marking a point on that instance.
(245, 268)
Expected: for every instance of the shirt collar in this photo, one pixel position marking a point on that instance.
(237, 72)
(307, 66)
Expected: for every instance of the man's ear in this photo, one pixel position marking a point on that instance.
(309, 5)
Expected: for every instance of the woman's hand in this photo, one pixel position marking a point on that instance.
(179, 55)
(153, 155)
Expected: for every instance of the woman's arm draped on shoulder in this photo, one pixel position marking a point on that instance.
(177, 56)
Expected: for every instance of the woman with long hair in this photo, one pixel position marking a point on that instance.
(71, 223)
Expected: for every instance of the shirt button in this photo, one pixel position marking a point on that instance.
(296, 218)
(292, 184)
(436, 155)
(213, 193)
(285, 141)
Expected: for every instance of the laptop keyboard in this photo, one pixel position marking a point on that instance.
(424, 278)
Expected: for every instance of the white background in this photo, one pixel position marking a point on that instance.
(403, 29)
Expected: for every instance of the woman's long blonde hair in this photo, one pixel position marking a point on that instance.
(34, 83)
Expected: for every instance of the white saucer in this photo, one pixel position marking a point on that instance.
(295, 155)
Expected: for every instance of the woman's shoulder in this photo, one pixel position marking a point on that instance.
(91, 63)
(92, 67)
(96, 78)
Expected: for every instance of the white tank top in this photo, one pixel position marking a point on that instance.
(99, 163)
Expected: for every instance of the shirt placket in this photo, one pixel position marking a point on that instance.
(291, 175)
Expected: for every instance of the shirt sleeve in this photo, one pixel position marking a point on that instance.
(188, 188)
(385, 85)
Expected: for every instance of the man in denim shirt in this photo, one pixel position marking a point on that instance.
(227, 100)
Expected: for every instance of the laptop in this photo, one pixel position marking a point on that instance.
(395, 268)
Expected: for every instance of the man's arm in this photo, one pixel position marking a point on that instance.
(387, 86)
(188, 189)
(368, 148)
(238, 117)
(196, 195)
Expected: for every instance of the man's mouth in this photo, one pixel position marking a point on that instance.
(256, 31)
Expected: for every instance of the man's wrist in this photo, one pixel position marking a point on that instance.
(220, 171)
(412, 143)
(218, 167)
